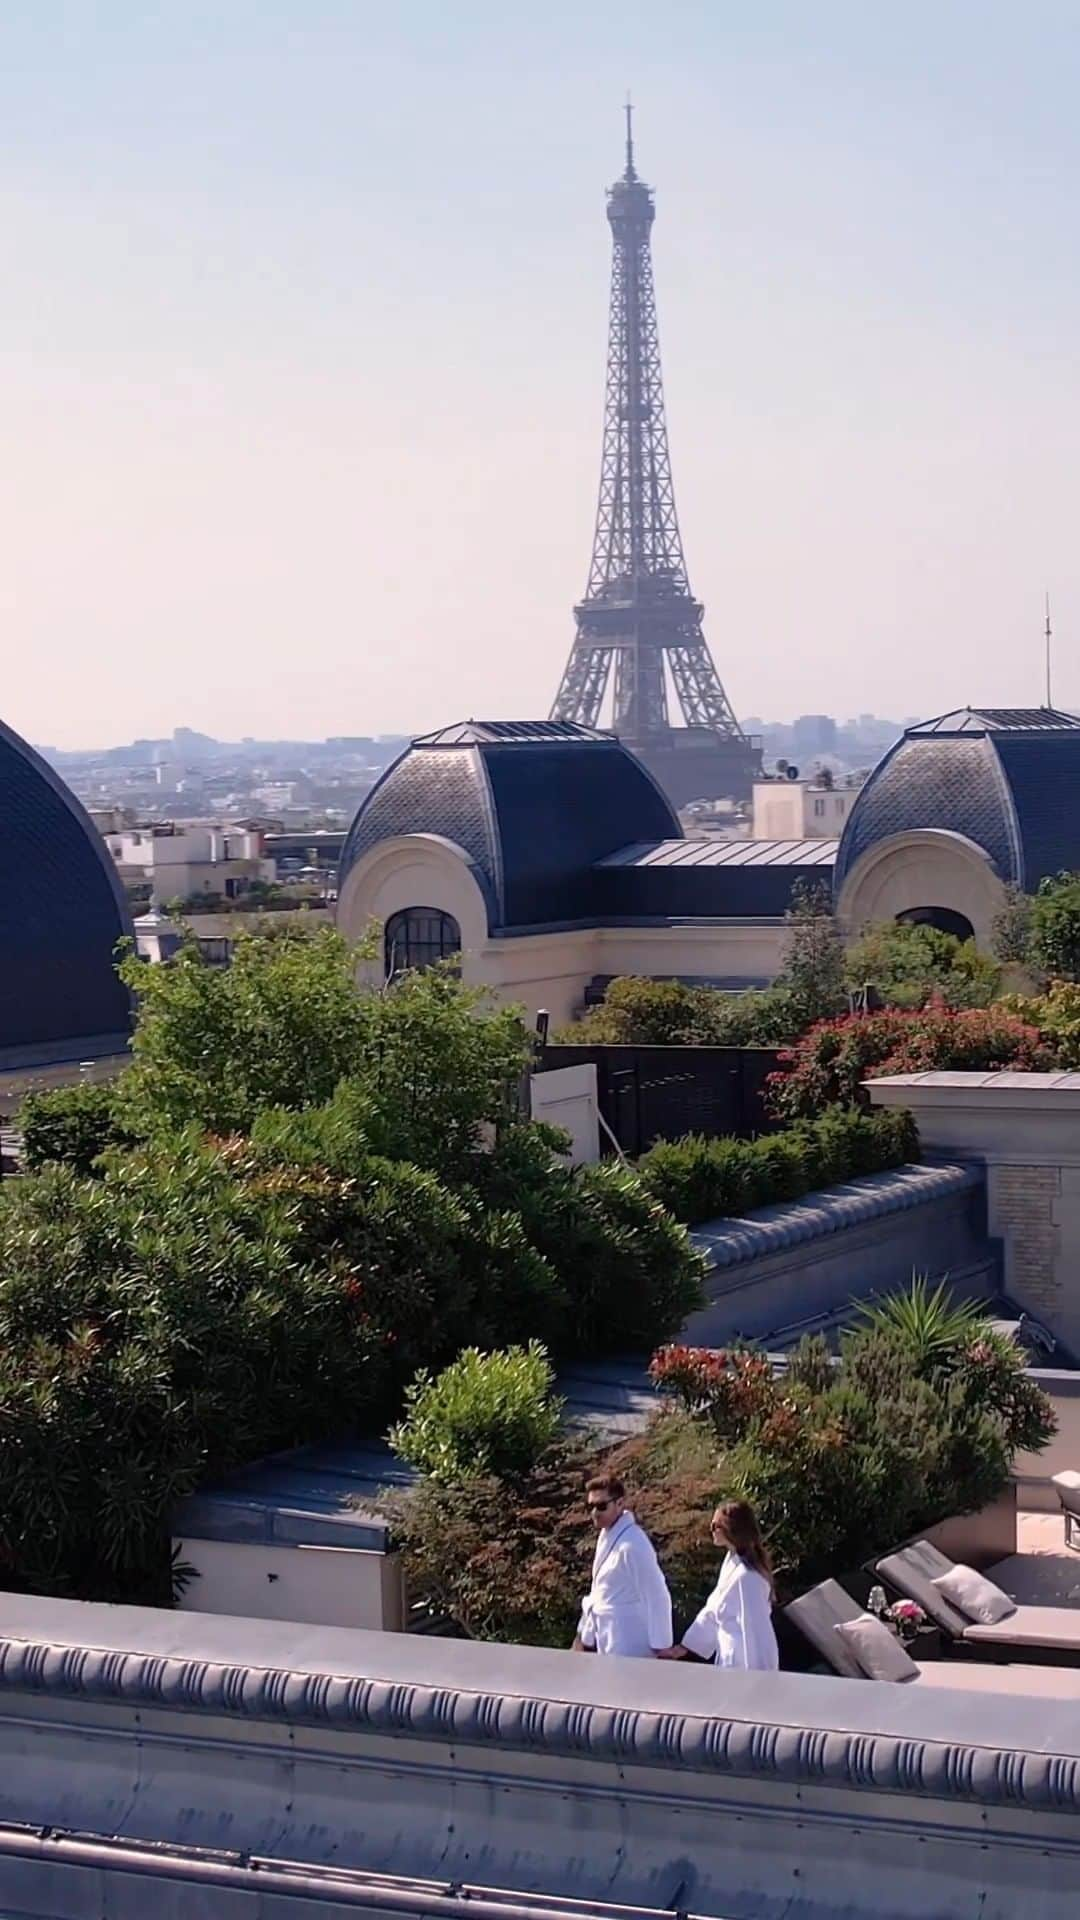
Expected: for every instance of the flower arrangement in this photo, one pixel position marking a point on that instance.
(906, 1618)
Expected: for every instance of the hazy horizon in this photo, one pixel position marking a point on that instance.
(302, 353)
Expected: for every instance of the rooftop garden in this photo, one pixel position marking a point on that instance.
(294, 1197)
(919, 1419)
(897, 999)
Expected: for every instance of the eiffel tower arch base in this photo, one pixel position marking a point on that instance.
(690, 764)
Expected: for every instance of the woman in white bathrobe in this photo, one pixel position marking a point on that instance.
(734, 1627)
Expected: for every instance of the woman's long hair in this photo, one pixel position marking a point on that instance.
(739, 1521)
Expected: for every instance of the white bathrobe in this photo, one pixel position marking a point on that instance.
(734, 1627)
(628, 1607)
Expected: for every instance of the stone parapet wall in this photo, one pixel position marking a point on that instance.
(536, 1773)
(803, 1261)
(1023, 1131)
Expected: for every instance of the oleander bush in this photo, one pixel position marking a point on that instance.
(699, 1178)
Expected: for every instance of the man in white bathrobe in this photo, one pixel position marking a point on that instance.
(627, 1610)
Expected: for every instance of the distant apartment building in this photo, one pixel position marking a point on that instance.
(813, 809)
(180, 862)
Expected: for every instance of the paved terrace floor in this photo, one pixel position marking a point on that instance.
(1044, 1572)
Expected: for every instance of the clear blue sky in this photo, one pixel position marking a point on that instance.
(302, 342)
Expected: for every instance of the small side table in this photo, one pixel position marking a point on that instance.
(926, 1644)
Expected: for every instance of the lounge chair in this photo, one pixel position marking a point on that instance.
(1068, 1492)
(1046, 1635)
(817, 1615)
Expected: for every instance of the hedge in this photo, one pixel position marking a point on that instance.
(700, 1179)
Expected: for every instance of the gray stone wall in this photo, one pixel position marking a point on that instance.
(163, 1757)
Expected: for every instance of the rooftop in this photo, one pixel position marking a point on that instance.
(1000, 720)
(487, 733)
(724, 853)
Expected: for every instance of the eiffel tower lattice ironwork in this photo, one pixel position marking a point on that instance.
(638, 613)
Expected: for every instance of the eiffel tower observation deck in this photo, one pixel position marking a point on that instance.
(639, 624)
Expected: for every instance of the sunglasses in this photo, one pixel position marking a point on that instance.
(598, 1506)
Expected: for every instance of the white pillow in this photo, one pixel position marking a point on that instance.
(974, 1595)
(877, 1651)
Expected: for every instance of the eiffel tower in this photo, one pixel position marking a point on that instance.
(638, 615)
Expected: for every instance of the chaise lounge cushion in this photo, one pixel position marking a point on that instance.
(913, 1572)
(1067, 1483)
(975, 1595)
(817, 1615)
(1032, 1627)
(878, 1652)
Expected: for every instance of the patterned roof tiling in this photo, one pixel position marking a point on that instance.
(952, 782)
(534, 806)
(430, 790)
(64, 911)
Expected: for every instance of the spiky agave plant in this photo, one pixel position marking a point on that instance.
(932, 1326)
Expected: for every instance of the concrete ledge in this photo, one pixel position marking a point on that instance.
(796, 1265)
(787, 1728)
(730, 1242)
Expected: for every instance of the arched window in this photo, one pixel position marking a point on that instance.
(418, 937)
(943, 918)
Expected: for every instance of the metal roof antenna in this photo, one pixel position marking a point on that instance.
(629, 112)
(1049, 635)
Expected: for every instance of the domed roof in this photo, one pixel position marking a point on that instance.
(534, 804)
(63, 912)
(1007, 778)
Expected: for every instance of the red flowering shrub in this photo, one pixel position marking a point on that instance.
(730, 1389)
(830, 1061)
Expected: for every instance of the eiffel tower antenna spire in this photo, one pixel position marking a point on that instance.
(638, 623)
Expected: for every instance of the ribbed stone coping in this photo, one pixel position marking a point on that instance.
(731, 1242)
(791, 1729)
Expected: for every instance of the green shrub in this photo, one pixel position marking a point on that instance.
(628, 1273)
(1053, 933)
(486, 1413)
(72, 1125)
(700, 1179)
(667, 1013)
(909, 966)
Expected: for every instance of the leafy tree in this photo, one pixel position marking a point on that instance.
(1054, 945)
(155, 1326)
(908, 966)
(628, 1270)
(813, 969)
(282, 1025)
(1011, 932)
(214, 1045)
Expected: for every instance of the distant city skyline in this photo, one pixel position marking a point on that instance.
(303, 340)
(173, 735)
